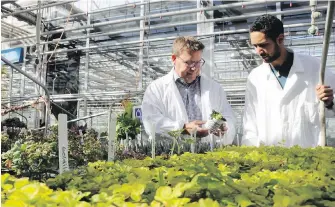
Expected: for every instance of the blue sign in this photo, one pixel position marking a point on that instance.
(138, 113)
(14, 55)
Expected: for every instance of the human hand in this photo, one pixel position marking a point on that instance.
(325, 94)
(195, 126)
(221, 131)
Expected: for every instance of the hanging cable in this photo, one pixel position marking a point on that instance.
(60, 38)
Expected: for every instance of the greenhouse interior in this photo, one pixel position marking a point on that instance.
(74, 74)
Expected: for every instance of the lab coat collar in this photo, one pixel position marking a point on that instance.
(293, 76)
(205, 89)
(292, 79)
(297, 66)
(171, 77)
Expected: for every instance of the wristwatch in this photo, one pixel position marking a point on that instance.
(330, 106)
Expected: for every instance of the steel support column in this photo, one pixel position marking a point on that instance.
(87, 59)
(140, 56)
(203, 28)
(22, 77)
(278, 9)
(38, 63)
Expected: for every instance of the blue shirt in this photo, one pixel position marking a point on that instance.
(281, 71)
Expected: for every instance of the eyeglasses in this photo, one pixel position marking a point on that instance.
(191, 64)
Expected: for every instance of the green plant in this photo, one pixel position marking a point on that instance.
(233, 176)
(36, 156)
(22, 192)
(33, 159)
(176, 136)
(217, 116)
(12, 129)
(126, 124)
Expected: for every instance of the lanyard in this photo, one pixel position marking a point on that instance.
(275, 72)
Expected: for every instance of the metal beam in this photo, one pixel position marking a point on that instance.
(187, 11)
(164, 39)
(93, 35)
(36, 8)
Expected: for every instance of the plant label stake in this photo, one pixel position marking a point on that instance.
(99, 134)
(193, 135)
(141, 135)
(127, 142)
(152, 127)
(81, 137)
(111, 136)
(221, 140)
(135, 144)
(238, 139)
(63, 143)
(211, 141)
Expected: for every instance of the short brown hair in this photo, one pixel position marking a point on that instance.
(186, 42)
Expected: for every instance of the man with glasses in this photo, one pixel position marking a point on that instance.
(185, 98)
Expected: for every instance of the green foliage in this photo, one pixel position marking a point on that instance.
(176, 140)
(6, 142)
(11, 131)
(32, 157)
(12, 122)
(216, 115)
(176, 133)
(126, 124)
(22, 192)
(35, 156)
(234, 176)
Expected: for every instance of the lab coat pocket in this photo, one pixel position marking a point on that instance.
(311, 124)
(311, 111)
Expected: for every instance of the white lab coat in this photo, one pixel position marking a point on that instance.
(163, 105)
(290, 115)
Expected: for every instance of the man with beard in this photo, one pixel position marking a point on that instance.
(185, 98)
(282, 94)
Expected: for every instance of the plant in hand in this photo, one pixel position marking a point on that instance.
(216, 121)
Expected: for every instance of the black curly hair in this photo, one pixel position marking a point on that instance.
(270, 25)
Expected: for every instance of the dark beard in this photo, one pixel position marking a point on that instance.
(275, 56)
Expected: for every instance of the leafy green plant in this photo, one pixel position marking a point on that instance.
(234, 176)
(22, 192)
(36, 156)
(126, 124)
(33, 159)
(231, 176)
(11, 130)
(176, 136)
(12, 122)
(217, 116)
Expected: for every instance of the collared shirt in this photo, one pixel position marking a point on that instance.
(281, 71)
(191, 96)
